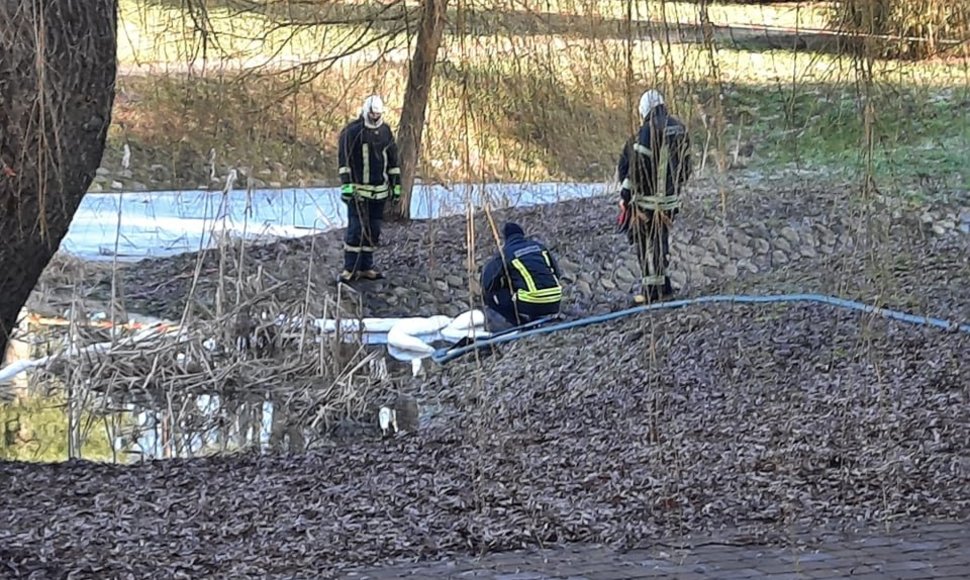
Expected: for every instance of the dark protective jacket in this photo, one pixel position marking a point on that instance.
(368, 159)
(526, 268)
(658, 154)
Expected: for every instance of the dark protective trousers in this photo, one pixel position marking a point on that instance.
(516, 313)
(364, 220)
(651, 236)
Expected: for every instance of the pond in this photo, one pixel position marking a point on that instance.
(57, 416)
(132, 226)
(53, 420)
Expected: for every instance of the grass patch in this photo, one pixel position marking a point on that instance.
(539, 106)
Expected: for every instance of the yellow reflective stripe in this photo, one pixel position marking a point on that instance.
(365, 151)
(555, 292)
(654, 280)
(658, 202)
(357, 249)
(662, 167)
(375, 192)
(372, 188)
(627, 184)
(524, 296)
(394, 171)
(642, 149)
(372, 195)
(529, 282)
(532, 294)
(344, 169)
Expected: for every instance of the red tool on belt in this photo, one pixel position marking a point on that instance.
(624, 217)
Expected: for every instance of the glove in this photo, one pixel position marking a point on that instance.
(397, 192)
(347, 192)
(624, 218)
(626, 195)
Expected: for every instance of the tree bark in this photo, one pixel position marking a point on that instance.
(57, 77)
(416, 94)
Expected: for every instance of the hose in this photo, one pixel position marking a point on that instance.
(444, 355)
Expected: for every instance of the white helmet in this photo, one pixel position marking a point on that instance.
(648, 101)
(372, 111)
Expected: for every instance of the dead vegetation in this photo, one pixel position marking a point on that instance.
(758, 422)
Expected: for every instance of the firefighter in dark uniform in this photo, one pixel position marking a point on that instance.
(521, 282)
(369, 174)
(654, 166)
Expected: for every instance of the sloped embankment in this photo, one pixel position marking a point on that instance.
(760, 419)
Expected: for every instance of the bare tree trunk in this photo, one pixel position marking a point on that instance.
(420, 75)
(57, 75)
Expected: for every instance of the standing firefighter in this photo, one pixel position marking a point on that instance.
(369, 172)
(521, 282)
(653, 168)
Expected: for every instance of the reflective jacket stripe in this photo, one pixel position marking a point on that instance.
(532, 294)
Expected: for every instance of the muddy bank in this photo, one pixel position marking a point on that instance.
(750, 418)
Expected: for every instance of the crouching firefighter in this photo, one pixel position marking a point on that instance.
(654, 166)
(369, 174)
(521, 282)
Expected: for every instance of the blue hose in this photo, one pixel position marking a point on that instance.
(444, 355)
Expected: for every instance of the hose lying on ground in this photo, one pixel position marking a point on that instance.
(444, 355)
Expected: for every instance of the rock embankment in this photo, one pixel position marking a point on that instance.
(765, 241)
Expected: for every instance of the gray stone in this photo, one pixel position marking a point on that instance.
(938, 229)
(441, 285)
(808, 251)
(758, 230)
(455, 281)
(102, 172)
(761, 246)
(721, 241)
(825, 235)
(678, 278)
(779, 257)
(583, 287)
(789, 234)
(741, 251)
(730, 271)
(748, 266)
(568, 265)
(783, 245)
(608, 284)
(117, 185)
(625, 275)
(708, 260)
(714, 273)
